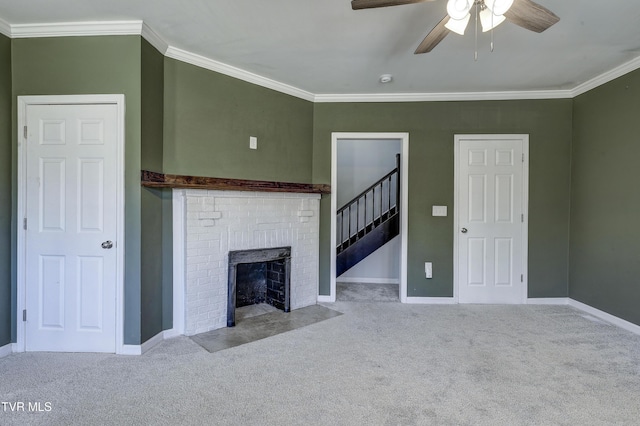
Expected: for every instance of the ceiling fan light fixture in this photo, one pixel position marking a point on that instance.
(498, 7)
(458, 26)
(489, 21)
(458, 9)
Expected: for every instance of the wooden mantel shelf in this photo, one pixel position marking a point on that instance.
(161, 180)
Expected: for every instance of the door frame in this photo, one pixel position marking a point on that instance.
(23, 103)
(404, 204)
(525, 206)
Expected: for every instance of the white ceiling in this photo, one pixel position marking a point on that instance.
(325, 47)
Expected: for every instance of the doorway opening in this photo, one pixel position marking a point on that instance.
(369, 215)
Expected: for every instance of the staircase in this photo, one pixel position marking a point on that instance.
(368, 221)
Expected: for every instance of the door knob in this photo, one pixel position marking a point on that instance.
(107, 244)
(463, 230)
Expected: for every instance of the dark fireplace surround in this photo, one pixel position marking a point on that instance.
(258, 276)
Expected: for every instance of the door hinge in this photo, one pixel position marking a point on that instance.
(25, 132)
(521, 278)
(24, 223)
(521, 218)
(523, 158)
(24, 315)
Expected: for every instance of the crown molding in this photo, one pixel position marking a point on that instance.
(210, 64)
(138, 27)
(606, 77)
(154, 39)
(5, 28)
(74, 29)
(443, 97)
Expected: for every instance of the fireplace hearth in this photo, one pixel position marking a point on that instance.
(258, 276)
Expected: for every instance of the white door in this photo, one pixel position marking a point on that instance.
(491, 237)
(70, 253)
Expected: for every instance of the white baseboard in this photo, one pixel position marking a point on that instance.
(6, 350)
(140, 349)
(629, 326)
(170, 334)
(548, 301)
(325, 299)
(431, 300)
(357, 280)
(130, 350)
(152, 342)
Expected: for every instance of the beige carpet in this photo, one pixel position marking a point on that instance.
(377, 364)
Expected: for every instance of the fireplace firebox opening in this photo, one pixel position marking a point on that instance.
(258, 276)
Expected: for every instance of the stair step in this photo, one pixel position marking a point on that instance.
(351, 255)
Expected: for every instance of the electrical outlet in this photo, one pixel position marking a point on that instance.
(253, 142)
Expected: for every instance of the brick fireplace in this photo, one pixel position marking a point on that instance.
(219, 222)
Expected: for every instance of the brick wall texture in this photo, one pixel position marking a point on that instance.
(220, 221)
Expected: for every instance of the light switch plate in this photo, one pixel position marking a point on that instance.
(428, 270)
(253, 142)
(438, 210)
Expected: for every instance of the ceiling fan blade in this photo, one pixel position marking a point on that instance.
(531, 15)
(434, 37)
(369, 4)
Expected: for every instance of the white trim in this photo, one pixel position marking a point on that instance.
(431, 300)
(154, 39)
(138, 27)
(357, 280)
(222, 68)
(179, 205)
(20, 239)
(5, 28)
(23, 102)
(606, 77)
(155, 340)
(6, 350)
(438, 97)
(626, 325)
(325, 299)
(404, 218)
(548, 301)
(525, 206)
(170, 334)
(404, 203)
(146, 346)
(130, 350)
(74, 29)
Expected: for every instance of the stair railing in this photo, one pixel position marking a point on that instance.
(369, 209)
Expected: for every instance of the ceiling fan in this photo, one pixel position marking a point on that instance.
(524, 13)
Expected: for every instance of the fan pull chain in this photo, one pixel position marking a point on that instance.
(475, 55)
(491, 40)
(492, 27)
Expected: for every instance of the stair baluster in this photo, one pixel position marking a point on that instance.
(384, 220)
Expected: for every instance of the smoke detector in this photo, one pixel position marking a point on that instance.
(386, 78)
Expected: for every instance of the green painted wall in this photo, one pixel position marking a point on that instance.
(431, 127)
(209, 118)
(93, 65)
(186, 120)
(153, 315)
(5, 191)
(604, 264)
(151, 281)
